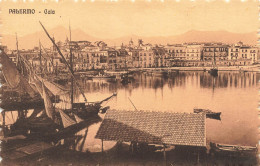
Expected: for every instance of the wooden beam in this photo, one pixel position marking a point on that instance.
(102, 145)
(3, 114)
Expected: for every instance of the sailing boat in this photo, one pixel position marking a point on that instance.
(82, 109)
(39, 96)
(18, 92)
(214, 70)
(45, 128)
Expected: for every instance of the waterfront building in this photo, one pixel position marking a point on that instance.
(122, 58)
(233, 52)
(74, 45)
(147, 58)
(177, 51)
(240, 54)
(258, 55)
(99, 56)
(134, 54)
(217, 52)
(193, 52)
(177, 54)
(160, 57)
(254, 54)
(112, 59)
(94, 59)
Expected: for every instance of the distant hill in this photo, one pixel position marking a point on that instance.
(60, 33)
(29, 41)
(194, 36)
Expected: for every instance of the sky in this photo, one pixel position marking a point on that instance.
(106, 19)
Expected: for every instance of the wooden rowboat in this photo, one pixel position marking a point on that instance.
(233, 149)
(209, 113)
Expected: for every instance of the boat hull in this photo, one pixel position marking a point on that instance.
(224, 149)
(213, 72)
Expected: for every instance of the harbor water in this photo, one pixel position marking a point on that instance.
(233, 94)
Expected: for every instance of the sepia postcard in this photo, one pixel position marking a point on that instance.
(129, 82)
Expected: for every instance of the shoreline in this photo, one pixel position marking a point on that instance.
(254, 68)
(221, 68)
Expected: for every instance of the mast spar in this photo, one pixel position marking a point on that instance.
(63, 58)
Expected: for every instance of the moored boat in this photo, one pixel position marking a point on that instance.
(100, 77)
(116, 72)
(124, 75)
(209, 113)
(213, 71)
(232, 149)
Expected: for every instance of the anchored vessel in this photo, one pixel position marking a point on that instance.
(209, 113)
(214, 70)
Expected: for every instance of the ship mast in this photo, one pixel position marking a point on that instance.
(40, 58)
(214, 59)
(18, 63)
(17, 49)
(71, 65)
(63, 58)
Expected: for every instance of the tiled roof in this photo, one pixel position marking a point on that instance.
(154, 127)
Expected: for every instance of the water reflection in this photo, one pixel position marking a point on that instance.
(181, 79)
